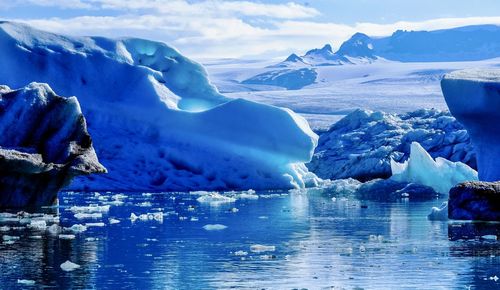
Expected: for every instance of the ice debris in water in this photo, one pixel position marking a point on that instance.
(89, 225)
(69, 266)
(93, 208)
(257, 248)
(40, 225)
(67, 237)
(54, 229)
(240, 253)
(78, 228)
(214, 198)
(489, 237)
(26, 282)
(439, 213)
(214, 227)
(113, 221)
(95, 215)
(440, 174)
(157, 216)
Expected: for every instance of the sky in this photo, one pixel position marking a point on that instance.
(204, 29)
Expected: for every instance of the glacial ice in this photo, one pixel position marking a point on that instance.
(439, 213)
(362, 144)
(156, 121)
(69, 266)
(473, 98)
(214, 227)
(440, 174)
(44, 143)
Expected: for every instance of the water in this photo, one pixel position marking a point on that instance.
(319, 243)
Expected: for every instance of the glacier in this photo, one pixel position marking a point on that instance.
(473, 98)
(440, 174)
(156, 120)
(362, 144)
(44, 144)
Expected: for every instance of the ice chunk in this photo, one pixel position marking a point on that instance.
(88, 225)
(257, 248)
(214, 227)
(69, 266)
(54, 229)
(40, 225)
(90, 209)
(439, 213)
(67, 237)
(26, 282)
(215, 198)
(78, 228)
(157, 216)
(240, 253)
(113, 221)
(440, 174)
(95, 215)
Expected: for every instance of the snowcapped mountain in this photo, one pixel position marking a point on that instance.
(156, 120)
(470, 43)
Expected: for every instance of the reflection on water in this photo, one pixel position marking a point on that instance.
(319, 243)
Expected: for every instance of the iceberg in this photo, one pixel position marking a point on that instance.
(44, 144)
(362, 144)
(157, 122)
(473, 98)
(440, 174)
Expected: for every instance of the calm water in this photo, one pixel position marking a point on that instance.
(318, 243)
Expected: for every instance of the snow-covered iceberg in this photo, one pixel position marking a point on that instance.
(473, 97)
(156, 121)
(363, 143)
(44, 143)
(440, 174)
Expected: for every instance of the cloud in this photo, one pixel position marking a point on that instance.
(215, 28)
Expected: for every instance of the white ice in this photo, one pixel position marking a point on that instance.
(440, 174)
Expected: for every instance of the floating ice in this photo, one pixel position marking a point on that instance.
(54, 229)
(439, 213)
(78, 228)
(214, 227)
(40, 225)
(99, 225)
(257, 248)
(26, 282)
(113, 221)
(90, 209)
(440, 174)
(240, 253)
(69, 266)
(157, 216)
(67, 237)
(215, 198)
(95, 215)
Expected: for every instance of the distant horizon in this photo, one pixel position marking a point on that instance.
(216, 29)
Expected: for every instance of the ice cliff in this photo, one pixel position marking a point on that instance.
(473, 97)
(44, 143)
(362, 144)
(156, 121)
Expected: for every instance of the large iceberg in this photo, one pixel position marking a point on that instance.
(440, 174)
(44, 143)
(156, 121)
(363, 143)
(473, 97)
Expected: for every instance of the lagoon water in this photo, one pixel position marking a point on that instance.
(278, 241)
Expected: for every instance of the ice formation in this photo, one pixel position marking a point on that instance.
(473, 98)
(439, 213)
(69, 266)
(156, 121)
(44, 143)
(440, 174)
(362, 144)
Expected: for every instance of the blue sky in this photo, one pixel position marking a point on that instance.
(217, 28)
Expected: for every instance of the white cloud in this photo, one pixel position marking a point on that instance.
(216, 28)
